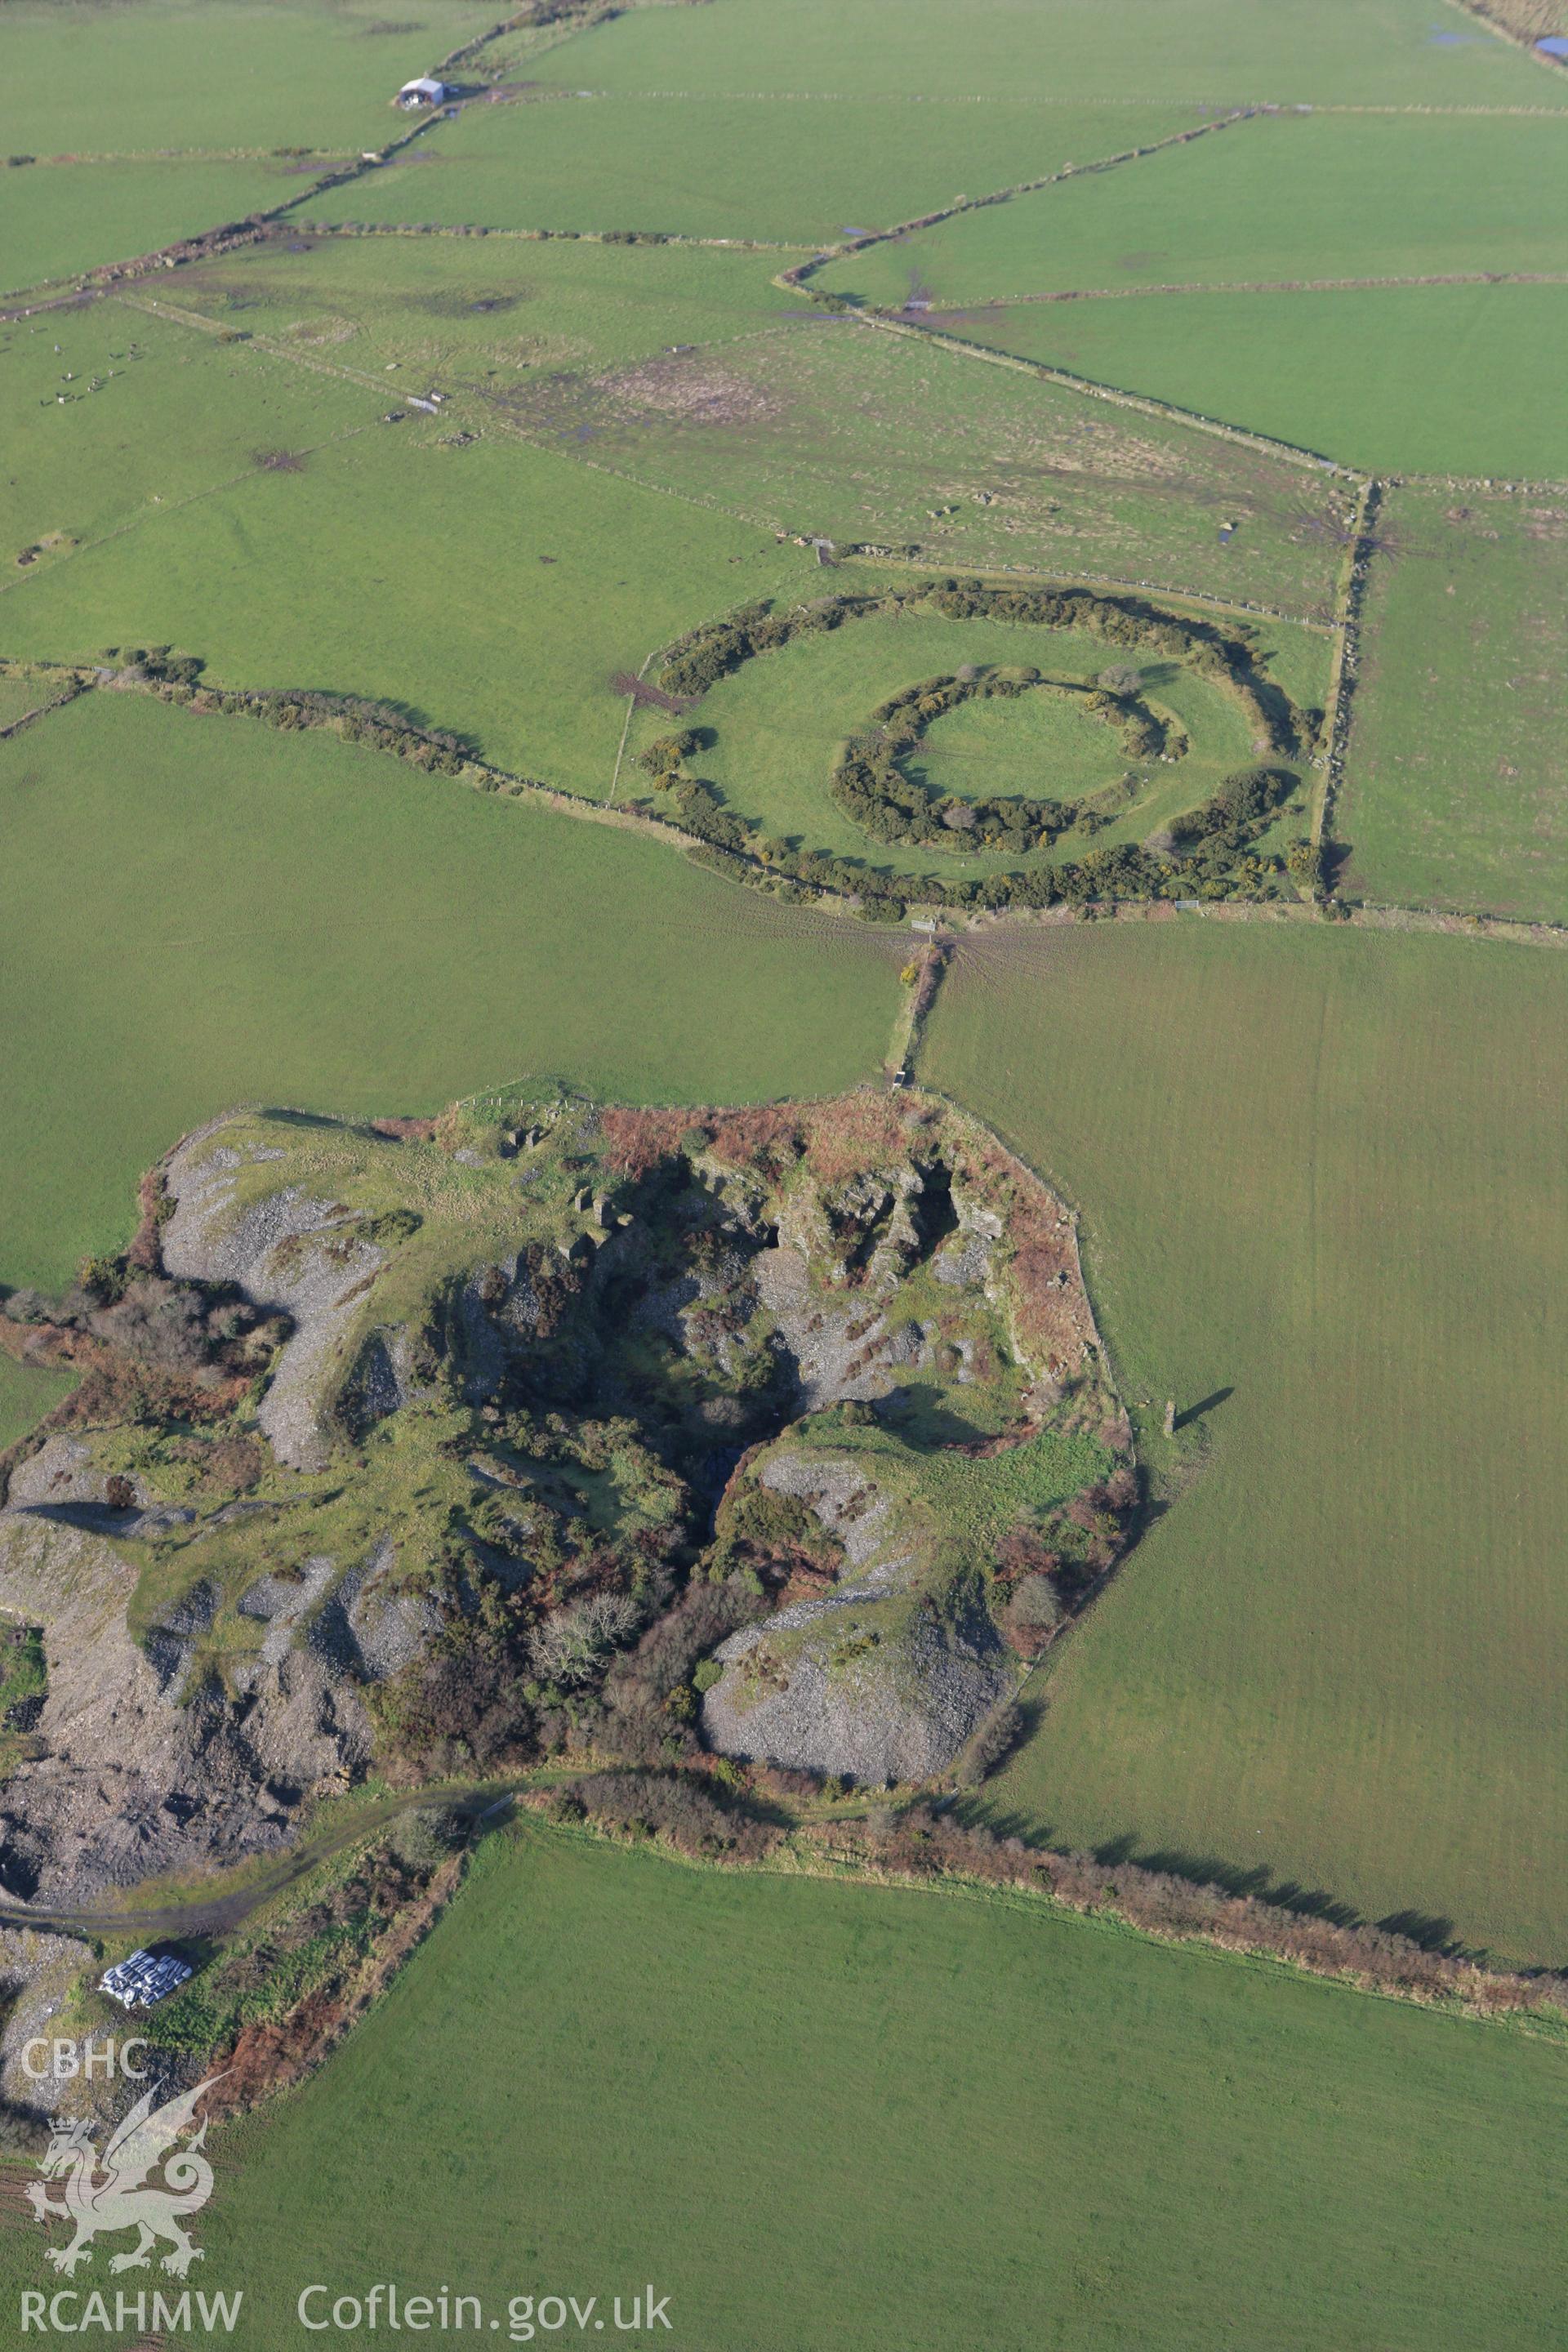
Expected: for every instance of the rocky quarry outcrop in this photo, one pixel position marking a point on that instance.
(442, 1445)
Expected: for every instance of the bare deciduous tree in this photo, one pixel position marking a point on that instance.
(570, 1646)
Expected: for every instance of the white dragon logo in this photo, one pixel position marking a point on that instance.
(117, 2193)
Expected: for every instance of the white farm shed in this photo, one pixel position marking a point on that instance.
(424, 93)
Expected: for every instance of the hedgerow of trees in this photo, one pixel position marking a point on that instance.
(1210, 851)
(872, 787)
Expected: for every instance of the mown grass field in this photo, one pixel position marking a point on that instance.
(732, 166)
(1322, 1186)
(825, 2113)
(1288, 197)
(63, 218)
(201, 912)
(1211, 52)
(1456, 794)
(779, 719)
(209, 77)
(1439, 379)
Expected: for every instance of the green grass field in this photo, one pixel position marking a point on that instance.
(723, 166)
(1456, 794)
(496, 588)
(1320, 1168)
(499, 586)
(1211, 52)
(815, 2114)
(1321, 1182)
(977, 749)
(290, 919)
(25, 1395)
(1439, 379)
(21, 692)
(65, 218)
(884, 439)
(1288, 197)
(778, 722)
(95, 77)
(175, 414)
(481, 313)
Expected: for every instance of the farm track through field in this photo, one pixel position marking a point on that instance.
(216, 1915)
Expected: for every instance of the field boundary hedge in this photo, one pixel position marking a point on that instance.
(380, 728)
(797, 277)
(695, 1816)
(1207, 852)
(1345, 668)
(869, 784)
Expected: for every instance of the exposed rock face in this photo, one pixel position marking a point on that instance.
(887, 1672)
(128, 1781)
(853, 1508)
(66, 1482)
(870, 1693)
(379, 1382)
(38, 1971)
(899, 1712)
(838, 1355)
(282, 1603)
(369, 1629)
(283, 1250)
(514, 1366)
(172, 1644)
(61, 1475)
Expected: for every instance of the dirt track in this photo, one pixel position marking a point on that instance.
(215, 1915)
